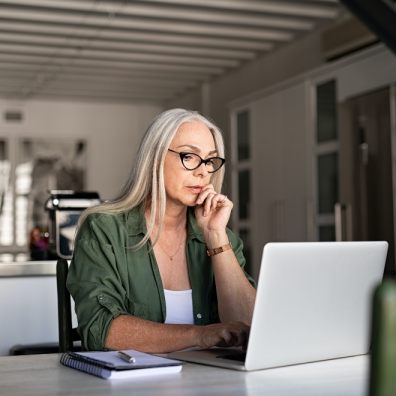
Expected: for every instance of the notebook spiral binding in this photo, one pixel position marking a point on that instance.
(90, 368)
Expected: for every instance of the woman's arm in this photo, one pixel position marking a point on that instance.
(235, 294)
(105, 318)
(135, 333)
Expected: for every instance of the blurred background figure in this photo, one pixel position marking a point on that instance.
(38, 244)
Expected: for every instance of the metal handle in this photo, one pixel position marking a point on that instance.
(343, 222)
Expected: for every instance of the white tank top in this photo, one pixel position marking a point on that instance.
(179, 307)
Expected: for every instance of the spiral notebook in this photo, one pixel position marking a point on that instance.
(109, 365)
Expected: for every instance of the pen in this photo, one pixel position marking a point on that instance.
(126, 356)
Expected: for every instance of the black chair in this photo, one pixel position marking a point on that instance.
(67, 334)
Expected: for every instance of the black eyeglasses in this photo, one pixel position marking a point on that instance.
(193, 161)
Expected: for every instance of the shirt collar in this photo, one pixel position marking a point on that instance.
(136, 223)
(192, 226)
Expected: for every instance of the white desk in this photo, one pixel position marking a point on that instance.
(43, 375)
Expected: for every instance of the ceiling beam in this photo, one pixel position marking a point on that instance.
(164, 12)
(82, 53)
(105, 72)
(103, 45)
(107, 63)
(276, 7)
(148, 25)
(87, 32)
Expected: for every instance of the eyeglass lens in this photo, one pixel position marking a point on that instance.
(192, 161)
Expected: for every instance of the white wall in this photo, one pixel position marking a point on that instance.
(278, 152)
(113, 132)
(283, 142)
(278, 161)
(28, 308)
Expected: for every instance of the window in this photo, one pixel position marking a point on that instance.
(244, 194)
(327, 182)
(6, 197)
(29, 168)
(326, 116)
(241, 181)
(243, 135)
(326, 159)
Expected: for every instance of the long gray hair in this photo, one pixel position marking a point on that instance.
(146, 183)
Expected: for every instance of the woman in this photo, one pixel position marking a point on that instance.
(157, 270)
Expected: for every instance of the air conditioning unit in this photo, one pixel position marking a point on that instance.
(345, 37)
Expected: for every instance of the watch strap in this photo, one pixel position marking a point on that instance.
(217, 250)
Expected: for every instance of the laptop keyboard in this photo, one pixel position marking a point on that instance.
(237, 356)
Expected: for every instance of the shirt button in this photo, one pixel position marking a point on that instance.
(199, 316)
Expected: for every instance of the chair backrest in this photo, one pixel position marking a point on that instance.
(383, 347)
(67, 334)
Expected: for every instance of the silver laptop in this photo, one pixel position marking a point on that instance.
(313, 303)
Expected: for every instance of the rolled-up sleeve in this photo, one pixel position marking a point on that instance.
(95, 283)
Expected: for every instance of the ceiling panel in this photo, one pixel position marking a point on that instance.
(151, 50)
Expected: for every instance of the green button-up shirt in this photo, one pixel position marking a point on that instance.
(108, 278)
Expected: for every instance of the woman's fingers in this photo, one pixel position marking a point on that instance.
(211, 200)
(224, 334)
(204, 193)
(214, 202)
(208, 203)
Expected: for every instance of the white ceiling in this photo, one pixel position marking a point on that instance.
(146, 50)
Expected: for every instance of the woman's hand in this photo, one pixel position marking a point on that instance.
(223, 335)
(213, 210)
